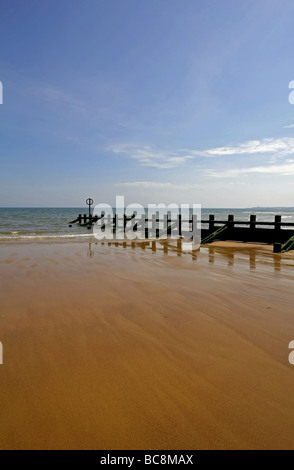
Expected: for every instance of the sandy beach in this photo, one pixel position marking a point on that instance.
(145, 347)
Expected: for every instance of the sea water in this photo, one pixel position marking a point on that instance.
(53, 223)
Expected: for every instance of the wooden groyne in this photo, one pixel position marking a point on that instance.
(277, 233)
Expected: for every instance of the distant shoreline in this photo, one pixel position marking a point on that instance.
(83, 208)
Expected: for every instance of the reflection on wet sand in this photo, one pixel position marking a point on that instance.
(255, 254)
(177, 247)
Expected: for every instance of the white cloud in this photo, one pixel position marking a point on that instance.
(148, 156)
(145, 184)
(157, 185)
(290, 126)
(284, 146)
(283, 170)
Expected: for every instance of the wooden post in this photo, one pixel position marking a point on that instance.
(252, 222)
(80, 218)
(278, 221)
(169, 223)
(145, 226)
(85, 218)
(277, 247)
(115, 223)
(231, 221)
(89, 201)
(157, 225)
(211, 223)
(180, 224)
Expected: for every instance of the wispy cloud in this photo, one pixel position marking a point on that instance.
(290, 126)
(285, 169)
(157, 185)
(149, 156)
(283, 146)
(145, 184)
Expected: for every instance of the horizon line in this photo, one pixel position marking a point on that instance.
(145, 207)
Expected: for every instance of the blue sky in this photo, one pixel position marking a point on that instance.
(162, 101)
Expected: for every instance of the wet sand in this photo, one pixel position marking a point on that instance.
(145, 347)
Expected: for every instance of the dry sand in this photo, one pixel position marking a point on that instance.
(119, 347)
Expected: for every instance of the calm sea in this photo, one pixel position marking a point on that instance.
(53, 223)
